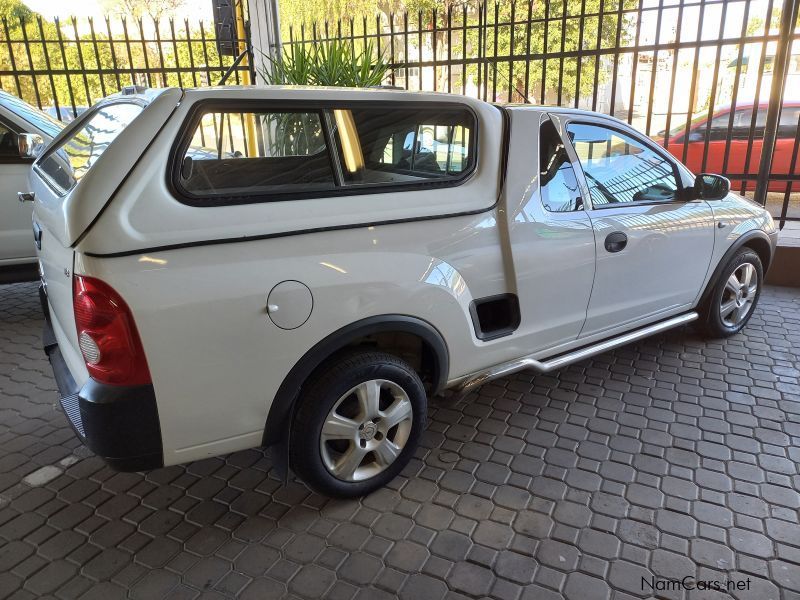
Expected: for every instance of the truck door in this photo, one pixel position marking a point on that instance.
(653, 246)
(16, 243)
(550, 233)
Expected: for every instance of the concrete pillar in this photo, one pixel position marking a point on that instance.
(265, 33)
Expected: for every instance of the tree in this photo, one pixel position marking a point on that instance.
(538, 31)
(18, 23)
(15, 10)
(755, 26)
(556, 80)
(155, 9)
(306, 13)
(95, 61)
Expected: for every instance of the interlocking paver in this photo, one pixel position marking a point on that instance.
(472, 579)
(423, 587)
(674, 456)
(516, 567)
(360, 568)
(451, 545)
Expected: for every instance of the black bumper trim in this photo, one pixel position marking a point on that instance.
(72, 408)
(118, 423)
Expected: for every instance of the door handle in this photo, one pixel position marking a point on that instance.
(616, 241)
(26, 196)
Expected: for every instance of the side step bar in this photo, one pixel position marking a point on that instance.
(563, 360)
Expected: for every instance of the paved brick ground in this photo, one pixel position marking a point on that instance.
(668, 458)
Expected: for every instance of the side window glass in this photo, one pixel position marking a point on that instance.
(558, 184)
(743, 121)
(619, 168)
(9, 147)
(404, 146)
(241, 154)
(787, 125)
(741, 118)
(719, 127)
(253, 135)
(741, 124)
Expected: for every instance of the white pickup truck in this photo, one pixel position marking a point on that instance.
(225, 268)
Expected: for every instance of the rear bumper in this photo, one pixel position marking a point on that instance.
(118, 423)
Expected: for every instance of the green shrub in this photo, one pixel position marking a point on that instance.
(329, 63)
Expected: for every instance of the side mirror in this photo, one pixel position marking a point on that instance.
(711, 187)
(30, 145)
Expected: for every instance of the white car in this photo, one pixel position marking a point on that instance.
(24, 130)
(310, 277)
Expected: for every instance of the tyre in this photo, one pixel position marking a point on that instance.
(357, 424)
(734, 296)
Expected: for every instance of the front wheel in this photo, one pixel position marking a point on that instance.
(734, 296)
(358, 424)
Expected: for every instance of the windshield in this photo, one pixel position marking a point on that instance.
(64, 165)
(40, 120)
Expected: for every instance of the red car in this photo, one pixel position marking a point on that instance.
(722, 133)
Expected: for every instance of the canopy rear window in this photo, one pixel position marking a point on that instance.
(65, 165)
(232, 156)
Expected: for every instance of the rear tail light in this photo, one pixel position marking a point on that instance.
(107, 334)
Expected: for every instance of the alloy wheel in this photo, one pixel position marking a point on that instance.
(738, 295)
(366, 430)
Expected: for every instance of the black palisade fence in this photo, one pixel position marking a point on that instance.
(64, 66)
(713, 81)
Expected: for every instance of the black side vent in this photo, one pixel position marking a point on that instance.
(495, 316)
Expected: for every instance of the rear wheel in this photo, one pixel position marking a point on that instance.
(734, 296)
(358, 424)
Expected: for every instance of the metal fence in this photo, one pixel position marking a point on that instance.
(65, 66)
(711, 80)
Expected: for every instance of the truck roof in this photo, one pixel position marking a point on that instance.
(565, 110)
(322, 93)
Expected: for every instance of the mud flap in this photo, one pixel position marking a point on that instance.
(279, 453)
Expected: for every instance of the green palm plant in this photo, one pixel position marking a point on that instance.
(329, 63)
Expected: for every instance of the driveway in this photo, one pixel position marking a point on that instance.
(666, 459)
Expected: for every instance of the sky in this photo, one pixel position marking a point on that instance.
(192, 9)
